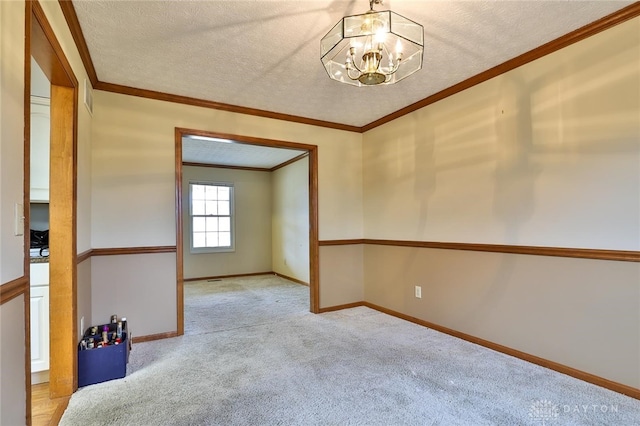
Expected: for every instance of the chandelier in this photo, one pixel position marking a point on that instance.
(372, 48)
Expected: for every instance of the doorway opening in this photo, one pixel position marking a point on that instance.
(296, 152)
(43, 46)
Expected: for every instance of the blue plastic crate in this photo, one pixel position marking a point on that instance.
(103, 364)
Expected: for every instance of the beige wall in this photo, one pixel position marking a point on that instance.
(140, 287)
(12, 357)
(83, 296)
(547, 154)
(290, 220)
(12, 136)
(133, 166)
(578, 312)
(252, 205)
(342, 267)
(12, 315)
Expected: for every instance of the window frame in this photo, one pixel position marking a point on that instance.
(226, 249)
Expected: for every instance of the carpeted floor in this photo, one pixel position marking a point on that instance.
(252, 354)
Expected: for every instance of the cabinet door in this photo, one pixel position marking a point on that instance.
(40, 147)
(39, 328)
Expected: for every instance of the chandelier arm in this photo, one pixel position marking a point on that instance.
(395, 65)
(357, 68)
(395, 68)
(353, 62)
(353, 78)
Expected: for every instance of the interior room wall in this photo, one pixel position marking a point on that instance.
(40, 86)
(342, 266)
(12, 356)
(545, 155)
(40, 136)
(577, 312)
(84, 196)
(12, 133)
(133, 177)
(290, 220)
(136, 287)
(252, 206)
(133, 166)
(83, 297)
(12, 315)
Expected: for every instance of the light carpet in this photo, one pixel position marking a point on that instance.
(252, 354)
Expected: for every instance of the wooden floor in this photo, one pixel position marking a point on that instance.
(45, 411)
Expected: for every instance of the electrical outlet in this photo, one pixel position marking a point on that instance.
(418, 292)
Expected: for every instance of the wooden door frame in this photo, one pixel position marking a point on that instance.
(314, 268)
(42, 44)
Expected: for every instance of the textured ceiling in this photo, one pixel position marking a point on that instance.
(266, 54)
(212, 151)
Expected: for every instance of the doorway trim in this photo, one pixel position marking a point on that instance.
(314, 274)
(42, 44)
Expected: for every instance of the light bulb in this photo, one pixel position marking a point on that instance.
(366, 26)
(398, 47)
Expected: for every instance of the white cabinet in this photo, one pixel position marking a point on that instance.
(39, 322)
(39, 274)
(39, 328)
(40, 145)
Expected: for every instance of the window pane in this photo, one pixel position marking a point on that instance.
(212, 192)
(212, 207)
(198, 239)
(225, 239)
(225, 224)
(212, 239)
(197, 192)
(223, 208)
(197, 208)
(212, 224)
(223, 193)
(198, 224)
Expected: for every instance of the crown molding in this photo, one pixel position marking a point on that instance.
(161, 96)
(70, 16)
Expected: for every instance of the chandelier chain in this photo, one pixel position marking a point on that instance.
(372, 2)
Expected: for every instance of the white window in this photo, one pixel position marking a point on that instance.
(211, 211)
